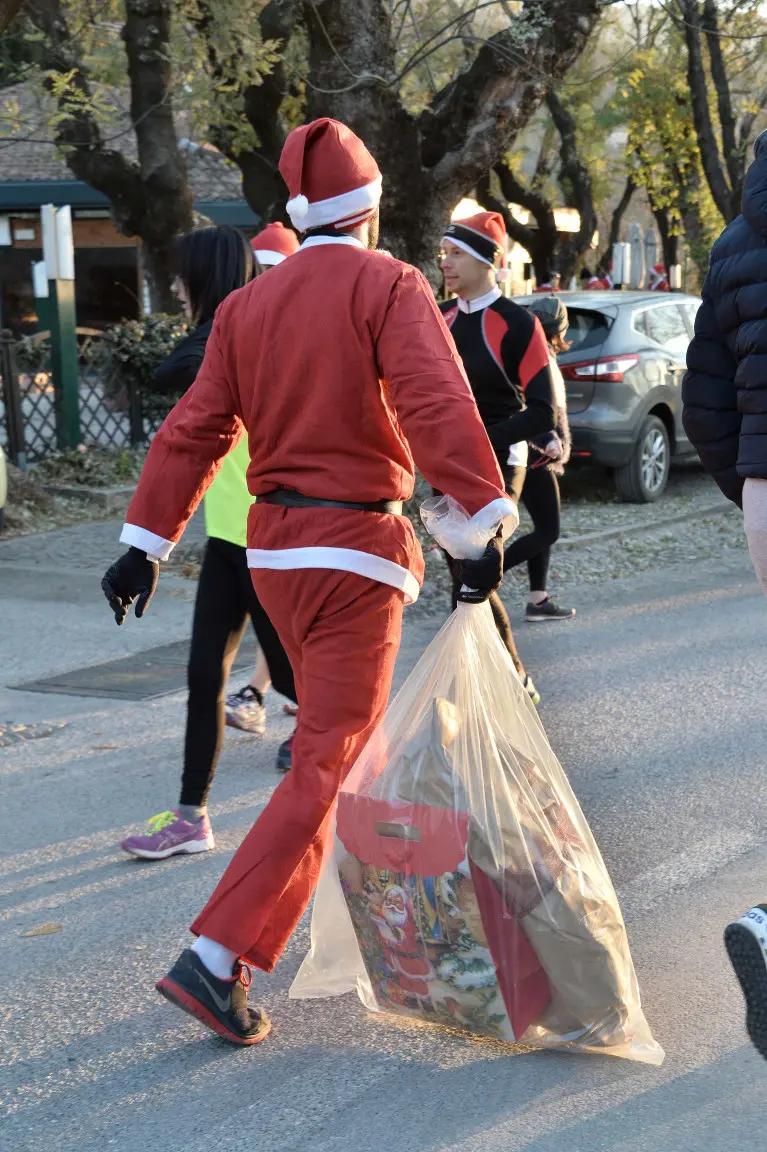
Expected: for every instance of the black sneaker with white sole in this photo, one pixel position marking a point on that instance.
(548, 609)
(746, 944)
(222, 1005)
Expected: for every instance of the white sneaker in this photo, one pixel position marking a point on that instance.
(244, 710)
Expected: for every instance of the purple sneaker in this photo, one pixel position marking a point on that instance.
(171, 836)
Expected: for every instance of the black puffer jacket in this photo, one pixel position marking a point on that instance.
(725, 388)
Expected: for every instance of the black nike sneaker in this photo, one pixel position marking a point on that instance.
(746, 944)
(285, 755)
(221, 1005)
(548, 609)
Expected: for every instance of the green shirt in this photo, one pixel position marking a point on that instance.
(228, 501)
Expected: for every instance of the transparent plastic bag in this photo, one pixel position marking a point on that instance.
(464, 886)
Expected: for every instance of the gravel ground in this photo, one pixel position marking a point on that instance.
(589, 505)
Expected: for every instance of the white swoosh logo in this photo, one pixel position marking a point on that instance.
(223, 1005)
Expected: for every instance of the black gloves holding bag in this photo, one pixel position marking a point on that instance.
(480, 578)
(132, 577)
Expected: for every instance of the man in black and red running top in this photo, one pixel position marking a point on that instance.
(505, 354)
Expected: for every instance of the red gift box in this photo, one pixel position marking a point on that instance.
(435, 935)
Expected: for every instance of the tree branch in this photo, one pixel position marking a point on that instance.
(9, 9)
(523, 234)
(146, 35)
(150, 199)
(732, 156)
(541, 241)
(619, 211)
(261, 181)
(707, 142)
(574, 180)
(470, 123)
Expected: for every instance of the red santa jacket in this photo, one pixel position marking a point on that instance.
(341, 370)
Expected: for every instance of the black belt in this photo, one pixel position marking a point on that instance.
(287, 498)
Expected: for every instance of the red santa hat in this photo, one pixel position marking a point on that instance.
(483, 236)
(331, 177)
(274, 243)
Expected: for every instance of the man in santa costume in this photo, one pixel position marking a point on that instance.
(340, 370)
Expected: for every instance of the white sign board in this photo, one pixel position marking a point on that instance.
(40, 280)
(58, 249)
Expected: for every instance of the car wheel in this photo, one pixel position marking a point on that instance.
(644, 478)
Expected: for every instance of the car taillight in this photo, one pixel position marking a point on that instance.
(611, 370)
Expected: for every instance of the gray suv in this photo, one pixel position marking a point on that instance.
(623, 375)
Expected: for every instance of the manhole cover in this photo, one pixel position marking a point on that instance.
(156, 672)
(12, 732)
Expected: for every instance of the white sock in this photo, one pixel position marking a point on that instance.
(216, 958)
(538, 597)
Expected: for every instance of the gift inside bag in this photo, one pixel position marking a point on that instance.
(431, 927)
(463, 885)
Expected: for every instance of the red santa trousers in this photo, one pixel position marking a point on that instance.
(341, 632)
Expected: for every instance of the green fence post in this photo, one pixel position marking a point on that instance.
(58, 253)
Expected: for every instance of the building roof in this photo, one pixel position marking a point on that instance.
(26, 162)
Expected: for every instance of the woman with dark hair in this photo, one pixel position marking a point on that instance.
(213, 262)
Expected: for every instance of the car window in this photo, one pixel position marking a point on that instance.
(690, 309)
(666, 326)
(639, 323)
(587, 328)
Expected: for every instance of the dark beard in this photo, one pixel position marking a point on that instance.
(374, 228)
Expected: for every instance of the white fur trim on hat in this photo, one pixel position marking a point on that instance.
(268, 256)
(467, 248)
(348, 208)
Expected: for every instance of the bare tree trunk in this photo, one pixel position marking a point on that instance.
(162, 167)
(575, 182)
(429, 162)
(616, 220)
(150, 199)
(734, 159)
(541, 241)
(669, 238)
(262, 185)
(9, 9)
(725, 197)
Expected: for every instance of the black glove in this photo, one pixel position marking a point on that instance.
(480, 578)
(132, 577)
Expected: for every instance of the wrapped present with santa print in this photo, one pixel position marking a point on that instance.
(431, 927)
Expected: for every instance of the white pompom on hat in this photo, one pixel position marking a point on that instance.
(331, 177)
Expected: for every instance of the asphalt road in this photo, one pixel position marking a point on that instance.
(654, 700)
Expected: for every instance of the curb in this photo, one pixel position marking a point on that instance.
(110, 499)
(568, 542)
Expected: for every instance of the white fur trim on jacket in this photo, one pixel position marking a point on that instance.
(156, 547)
(348, 208)
(500, 513)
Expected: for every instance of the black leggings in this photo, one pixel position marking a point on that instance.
(225, 600)
(540, 496)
